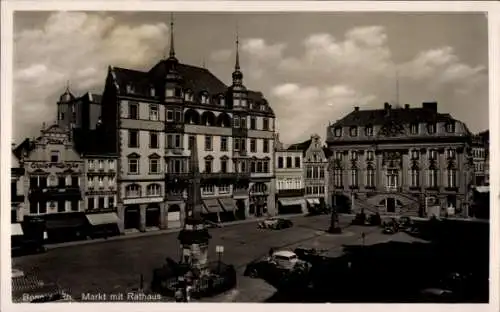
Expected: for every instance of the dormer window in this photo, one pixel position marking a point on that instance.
(450, 127)
(450, 153)
(353, 131)
(152, 92)
(236, 102)
(204, 98)
(338, 132)
(169, 92)
(236, 121)
(369, 130)
(130, 88)
(243, 103)
(414, 155)
(222, 101)
(431, 128)
(188, 96)
(263, 107)
(178, 92)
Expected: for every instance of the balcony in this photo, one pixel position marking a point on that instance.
(174, 127)
(240, 154)
(231, 176)
(291, 193)
(175, 178)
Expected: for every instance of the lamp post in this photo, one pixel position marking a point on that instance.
(219, 249)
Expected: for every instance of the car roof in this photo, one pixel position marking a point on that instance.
(284, 253)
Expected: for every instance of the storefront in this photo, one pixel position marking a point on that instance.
(174, 216)
(63, 227)
(211, 210)
(291, 205)
(228, 209)
(153, 216)
(132, 218)
(103, 224)
(313, 204)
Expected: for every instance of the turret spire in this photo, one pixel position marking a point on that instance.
(172, 48)
(237, 63)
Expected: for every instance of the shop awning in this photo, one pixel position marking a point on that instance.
(313, 201)
(103, 218)
(16, 229)
(291, 201)
(211, 206)
(66, 222)
(227, 204)
(483, 189)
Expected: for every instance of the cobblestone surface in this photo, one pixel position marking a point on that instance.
(116, 266)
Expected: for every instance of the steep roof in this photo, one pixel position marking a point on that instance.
(93, 142)
(402, 115)
(302, 146)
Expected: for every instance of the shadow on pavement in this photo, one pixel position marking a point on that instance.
(399, 271)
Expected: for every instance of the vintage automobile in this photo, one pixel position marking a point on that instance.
(275, 224)
(405, 223)
(279, 263)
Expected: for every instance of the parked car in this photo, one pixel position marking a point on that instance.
(279, 263)
(275, 224)
(405, 223)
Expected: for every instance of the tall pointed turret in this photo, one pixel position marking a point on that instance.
(237, 74)
(171, 53)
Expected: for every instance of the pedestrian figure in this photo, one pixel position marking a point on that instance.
(271, 252)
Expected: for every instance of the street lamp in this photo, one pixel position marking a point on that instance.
(219, 249)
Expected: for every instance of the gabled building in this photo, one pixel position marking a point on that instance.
(152, 116)
(401, 160)
(289, 180)
(315, 170)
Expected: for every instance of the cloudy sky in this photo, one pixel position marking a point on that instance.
(312, 67)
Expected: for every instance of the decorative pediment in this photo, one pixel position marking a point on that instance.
(392, 128)
(224, 157)
(267, 158)
(133, 155)
(154, 156)
(209, 157)
(392, 159)
(39, 171)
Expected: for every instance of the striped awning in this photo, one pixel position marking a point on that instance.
(313, 201)
(16, 229)
(103, 218)
(227, 204)
(211, 206)
(291, 201)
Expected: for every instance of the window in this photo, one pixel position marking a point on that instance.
(101, 182)
(253, 145)
(280, 162)
(289, 162)
(178, 92)
(224, 189)
(91, 165)
(337, 177)
(61, 206)
(451, 177)
(433, 178)
(370, 155)
(75, 205)
(61, 181)
(208, 165)
(236, 121)
(450, 127)
(153, 139)
(54, 156)
(154, 165)
(414, 154)
(133, 111)
(259, 167)
(152, 91)
(265, 147)
(133, 138)
(153, 111)
(243, 166)
(208, 189)
(354, 177)
(431, 128)
(90, 203)
(101, 164)
(354, 155)
(338, 155)
(222, 102)
(253, 123)
(369, 131)
(253, 167)
(169, 92)
(132, 191)
(243, 145)
(450, 153)
(309, 172)
(265, 124)
(176, 166)
(208, 142)
(74, 182)
(223, 165)
(266, 166)
(170, 115)
(414, 128)
(204, 99)
(414, 177)
(100, 202)
(111, 202)
(353, 131)
(297, 162)
(243, 122)
(153, 190)
(188, 96)
(178, 116)
(236, 144)
(392, 176)
(133, 165)
(338, 132)
(432, 154)
(370, 177)
(191, 141)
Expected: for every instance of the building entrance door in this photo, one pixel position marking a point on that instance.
(390, 205)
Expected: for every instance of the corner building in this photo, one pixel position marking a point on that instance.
(155, 116)
(401, 161)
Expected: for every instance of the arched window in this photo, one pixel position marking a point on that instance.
(370, 176)
(133, 191)
(258, 188)
(414, 176)
(153, 190)
(204, 98)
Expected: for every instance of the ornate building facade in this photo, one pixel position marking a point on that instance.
(155, 116)
(315, 172)
(480, 154)
(398, 160)
(289, 180)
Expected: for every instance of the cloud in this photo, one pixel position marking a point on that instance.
(78, 47)
(221, 55)
(308, 109)
(257, 48)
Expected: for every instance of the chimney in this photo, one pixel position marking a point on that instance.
(407, 106)
(432, 106)
(387, 105)
(356, 108)
(387, 108)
